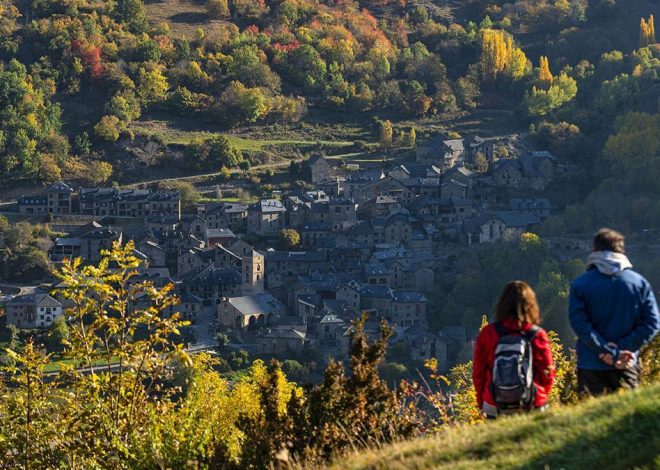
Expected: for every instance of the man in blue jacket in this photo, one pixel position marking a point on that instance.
(613, 311)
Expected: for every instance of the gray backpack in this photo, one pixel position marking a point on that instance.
(512, 386)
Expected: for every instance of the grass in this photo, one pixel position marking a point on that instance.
(171, 135)
(56, 365)
(616, 432)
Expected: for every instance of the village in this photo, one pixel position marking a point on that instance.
(285, 276)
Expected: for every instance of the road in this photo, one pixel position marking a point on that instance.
(203, 333)
(16, 289)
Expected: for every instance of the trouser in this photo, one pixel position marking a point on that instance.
(601, 382)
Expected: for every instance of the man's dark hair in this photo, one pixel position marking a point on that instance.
(607, 239)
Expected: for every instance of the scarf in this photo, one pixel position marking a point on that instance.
(608, 262)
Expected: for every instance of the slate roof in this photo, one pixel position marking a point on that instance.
(375, 269)
(409, 297)
(256, 304)
(267, 206)
(37, 299)
(60, 187)
(210, 275)
(517, 219)
(302, 256)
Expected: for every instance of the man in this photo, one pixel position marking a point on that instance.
(613, 311)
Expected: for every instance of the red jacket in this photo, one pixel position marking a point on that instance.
(484, 357)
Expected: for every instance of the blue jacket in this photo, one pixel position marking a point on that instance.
(603, 309)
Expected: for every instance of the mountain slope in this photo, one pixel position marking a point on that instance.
(621, 431)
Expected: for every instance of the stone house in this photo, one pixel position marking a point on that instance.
(266, 217)
(281, 339)
(33, 311)
(95, 241)
(440, 151)
(424, 345)
(250, 311)
(211, 284)
(60, 198)
(319, 169)
(386, 186)
(407, 308)
(376, 274)
(226, 215)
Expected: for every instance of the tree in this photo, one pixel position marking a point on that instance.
(480, 162)
(646, 32)
(125, 105)
(540, 102)
(217, 8)
(499, 54)
(393, 372)
(109, 128)
(96, 172)
(409, 139)
(545, 76)
(188, 193)
(290, 238)
(58, 335)
(294, 370)
(217, 153)
(242, 104)
(306, 67)
(131, 13)
(152, 86)
(386, 134)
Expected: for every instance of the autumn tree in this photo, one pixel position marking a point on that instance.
(290, 238)
(152, 86)
(109, 128)
(500, 55)
(545, 76)
(646, 32)
(386, 134)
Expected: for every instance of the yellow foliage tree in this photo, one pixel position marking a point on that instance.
(499, 54)
(545, 76)
(646, 32)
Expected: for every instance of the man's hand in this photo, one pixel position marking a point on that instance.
(624, 361)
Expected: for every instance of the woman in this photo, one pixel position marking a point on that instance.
(515, 322)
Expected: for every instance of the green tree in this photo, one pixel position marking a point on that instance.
(540, 102)
(131, 13)
(216, 153)
(58, 335)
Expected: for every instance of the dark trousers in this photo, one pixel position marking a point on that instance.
(601, 382)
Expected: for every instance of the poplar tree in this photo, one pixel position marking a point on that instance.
(545, 76)
(646, 32)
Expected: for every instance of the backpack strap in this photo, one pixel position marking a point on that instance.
(500, 328)
(531, 333)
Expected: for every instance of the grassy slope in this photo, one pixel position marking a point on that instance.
(620, 431)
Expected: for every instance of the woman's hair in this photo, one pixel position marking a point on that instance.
(518, 301)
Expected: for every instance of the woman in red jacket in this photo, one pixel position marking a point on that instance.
(517, 314)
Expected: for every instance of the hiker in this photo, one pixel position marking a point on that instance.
(513, 367)
(613, 312)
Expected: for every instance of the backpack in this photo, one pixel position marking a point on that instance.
(512, 385)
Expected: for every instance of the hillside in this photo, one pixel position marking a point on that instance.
(621, 431)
